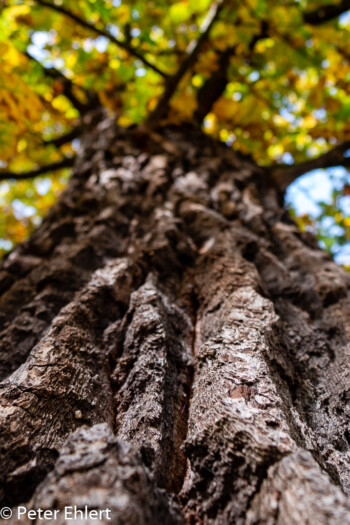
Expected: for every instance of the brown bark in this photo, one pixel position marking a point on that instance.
(172, 347)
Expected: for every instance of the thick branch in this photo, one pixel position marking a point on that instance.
(215, 86)
(65, 163)
(66, 138)
(102, 32)
(326, 13)
(190, 58)
(284, 175)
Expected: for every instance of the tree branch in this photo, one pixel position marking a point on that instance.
(284, 175)
(191, 56)
(66, 138)
(215, 86)
(326, 13)
(102, 32)
(67, 162)
(67, 85)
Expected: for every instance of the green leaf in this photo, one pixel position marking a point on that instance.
(180, 12)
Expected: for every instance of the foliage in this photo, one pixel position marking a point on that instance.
(270, 77)
(326, 216)
(23, 205)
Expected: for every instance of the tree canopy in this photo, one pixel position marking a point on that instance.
(270, 78)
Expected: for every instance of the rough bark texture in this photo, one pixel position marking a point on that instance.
(172, 347)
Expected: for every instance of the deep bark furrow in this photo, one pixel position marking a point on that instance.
(310, 295)
(64, 383)
(98, 470)
(41, 276)
(153, 373)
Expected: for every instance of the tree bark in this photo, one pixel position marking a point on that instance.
(172, 347)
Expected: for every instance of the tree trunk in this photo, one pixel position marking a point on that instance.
(172, 347)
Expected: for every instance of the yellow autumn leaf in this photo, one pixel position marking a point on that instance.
(184, 106)
(225, 109)
(180, 12)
